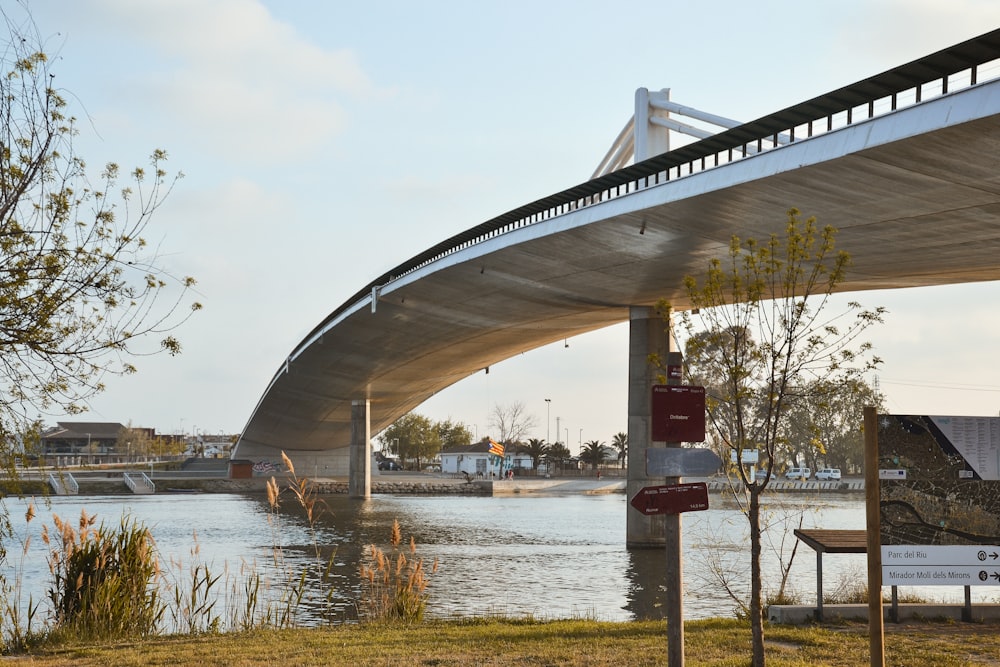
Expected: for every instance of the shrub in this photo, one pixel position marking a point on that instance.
(105, 581)
(394, 585)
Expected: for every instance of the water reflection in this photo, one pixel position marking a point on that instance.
(548, 557)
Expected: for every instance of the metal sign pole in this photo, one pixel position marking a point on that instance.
(674, 598)
(876, 637)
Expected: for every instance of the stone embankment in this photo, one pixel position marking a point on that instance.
(436, 487)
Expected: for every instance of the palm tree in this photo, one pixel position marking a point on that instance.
(536, 449)
(594, 452)
(620, 443)
(557, 454)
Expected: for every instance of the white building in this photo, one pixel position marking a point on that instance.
(475, 460)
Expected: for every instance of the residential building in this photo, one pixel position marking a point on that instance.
(475, 460)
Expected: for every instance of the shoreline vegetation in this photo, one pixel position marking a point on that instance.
(105, 575)
(526, 641)
(406, 483)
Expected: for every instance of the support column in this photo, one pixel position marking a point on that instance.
(647, 335)
(359, 481)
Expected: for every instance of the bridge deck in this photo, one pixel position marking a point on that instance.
(915, 193)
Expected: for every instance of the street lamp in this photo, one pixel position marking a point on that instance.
(548, 420)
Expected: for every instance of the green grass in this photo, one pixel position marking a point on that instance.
(714, 643)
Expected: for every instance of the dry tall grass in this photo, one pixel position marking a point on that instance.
(395, 585)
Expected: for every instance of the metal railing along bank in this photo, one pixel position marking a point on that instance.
(963, 65)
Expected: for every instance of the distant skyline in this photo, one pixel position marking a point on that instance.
(324, 143)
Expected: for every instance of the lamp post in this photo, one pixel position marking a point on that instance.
(548, 420)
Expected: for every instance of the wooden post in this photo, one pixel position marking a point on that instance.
(876, 631)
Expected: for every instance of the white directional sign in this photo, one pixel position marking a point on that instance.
(681, 461)
(921, 565)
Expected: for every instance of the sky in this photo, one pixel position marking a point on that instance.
(323, 143)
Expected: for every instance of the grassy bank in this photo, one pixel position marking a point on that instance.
(717, 643)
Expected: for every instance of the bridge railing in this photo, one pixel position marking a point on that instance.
(960, 66)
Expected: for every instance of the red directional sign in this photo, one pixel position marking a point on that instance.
(678, 413)
(672, 498)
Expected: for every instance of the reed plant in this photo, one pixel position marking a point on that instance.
(17, 616)
(318, 571)
(394, 585)
(105, 582)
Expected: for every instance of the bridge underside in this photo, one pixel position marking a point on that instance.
(915, 195)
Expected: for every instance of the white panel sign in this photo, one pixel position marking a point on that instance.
(919, 565)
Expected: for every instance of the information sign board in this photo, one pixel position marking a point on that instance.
(678, 413)
(938, 503)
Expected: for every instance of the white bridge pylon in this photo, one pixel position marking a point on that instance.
(647, 133)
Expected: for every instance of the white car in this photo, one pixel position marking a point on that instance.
(828, 474)
(798, 473)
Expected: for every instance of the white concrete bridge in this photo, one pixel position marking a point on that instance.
(906, 164)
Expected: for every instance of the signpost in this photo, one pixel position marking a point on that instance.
(931, 504)
(678, 413)
(941, 565)
(672, 498)
(682, 462)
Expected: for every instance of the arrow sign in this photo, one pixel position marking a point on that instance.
(681, 462)
(671, 499)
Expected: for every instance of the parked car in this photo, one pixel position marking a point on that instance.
(798, 473)
(828, 474)
(389, 465)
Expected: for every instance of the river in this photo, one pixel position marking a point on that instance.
(544, 556)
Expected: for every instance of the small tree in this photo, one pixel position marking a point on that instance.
(510, 422)
(79, 288)
(594, 452)
(412, 436)
(557, 454)
(825, 430)
(453, 434)
(536, 449)
(620, 443)
(133, 441)
(764, 339)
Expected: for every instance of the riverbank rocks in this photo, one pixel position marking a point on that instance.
(407, 487)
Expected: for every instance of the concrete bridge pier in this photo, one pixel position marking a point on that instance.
(648, 334)
(359, 480)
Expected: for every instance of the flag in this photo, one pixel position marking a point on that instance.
(496, 448)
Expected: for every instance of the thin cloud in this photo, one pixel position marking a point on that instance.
(240, 80)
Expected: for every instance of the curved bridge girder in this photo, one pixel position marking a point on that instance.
(915, 194)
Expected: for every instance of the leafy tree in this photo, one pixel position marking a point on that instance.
(511, 422)
(453, 434)
(536, 449)
(135, 441)
(620, 444)
(595, 453)
(412, 436)
(778, 291)
(80, 290)
(824, 430)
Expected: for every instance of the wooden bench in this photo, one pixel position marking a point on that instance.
(830, 542)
